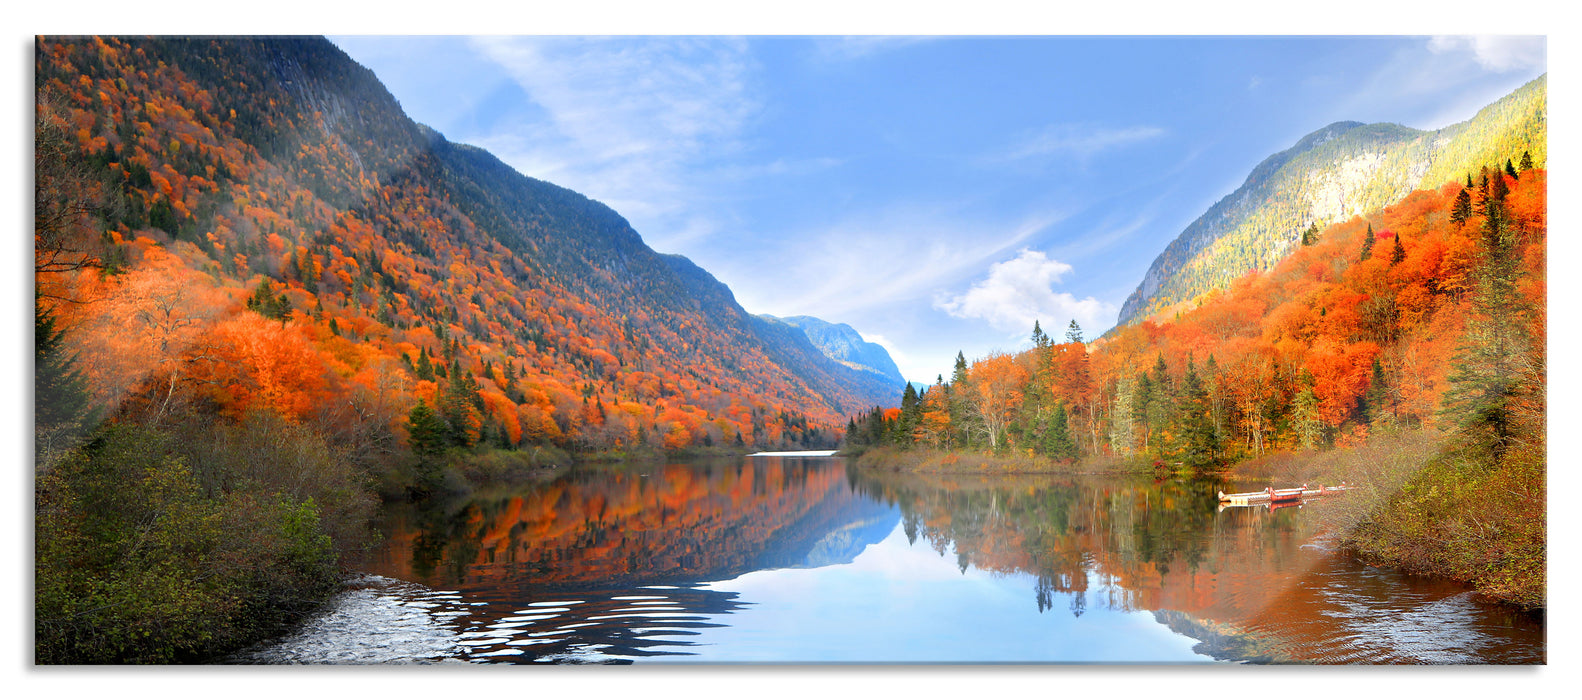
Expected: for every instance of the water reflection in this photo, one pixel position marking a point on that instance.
(801, 560)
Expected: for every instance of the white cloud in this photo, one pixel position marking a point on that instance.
(1500, 54)
(1019, 291)
(886, 255)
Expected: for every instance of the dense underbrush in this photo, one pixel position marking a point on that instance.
(171, 546)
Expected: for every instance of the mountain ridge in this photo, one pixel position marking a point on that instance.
(280, 172)
(1342, 170)
(844, 344)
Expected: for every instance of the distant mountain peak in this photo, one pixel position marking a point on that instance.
(844, 344)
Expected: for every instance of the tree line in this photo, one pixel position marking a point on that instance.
(1428, 314)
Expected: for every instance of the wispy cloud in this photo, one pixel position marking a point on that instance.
(901, 252)
(837, 49)
(628, 121)
(1075, 141)
(1021, 290)
(1445, 78)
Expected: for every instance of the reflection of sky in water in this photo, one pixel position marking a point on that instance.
(905, 603)
(809, 565)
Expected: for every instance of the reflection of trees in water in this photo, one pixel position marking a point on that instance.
(595, 623)
(634, 524)
(1138, 542)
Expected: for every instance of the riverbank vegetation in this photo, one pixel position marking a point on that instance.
(1422, 326)
(254, 317)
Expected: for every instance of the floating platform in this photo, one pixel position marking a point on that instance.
(1274, 496)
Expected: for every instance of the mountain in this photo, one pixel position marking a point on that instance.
(312, 249)
(1343, 170)
(845, 345)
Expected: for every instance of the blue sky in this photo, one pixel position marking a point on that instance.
(901, 602)
(936, 193)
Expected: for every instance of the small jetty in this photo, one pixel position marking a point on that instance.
(1273, 496)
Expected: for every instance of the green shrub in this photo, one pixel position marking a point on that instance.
(136, 563)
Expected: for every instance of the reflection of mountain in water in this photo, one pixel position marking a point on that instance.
(601, 564)
(677, 524)
(842, 545)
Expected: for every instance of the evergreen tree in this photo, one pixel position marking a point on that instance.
(1122, 422)
(1398, 252)
(1057, 435)
(1461, 209)
(1304, 418)
(1367, 244)
(268, 304)
(59, 391)
(960, 415)
(1493, 367)
(426, 433)
(1073, 332)
(1198, 441)
(1040, 340)
(911, 414)
(60, 394)
(1376, 404)
(459, 403)
(1510, 168)
(1527, 161)
(1310, 234)
(1160, 406)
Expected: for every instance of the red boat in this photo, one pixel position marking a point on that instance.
(1284, 495)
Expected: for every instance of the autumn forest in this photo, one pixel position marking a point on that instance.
(266, 301)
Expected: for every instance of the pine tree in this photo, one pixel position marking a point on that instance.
(1367, 244)
(426, 433)
(1304, 418)
(1198, 440)
(1310, 234)
(1493, 368)
(60, 395)
(957, 404)
(1122, 425)
(1461, 209)
(1040, 340)
(911, 413)
(1510, 168)
(1527, 161)
(1376, 404)
(267, 304)
(1057, 435)
(1398, 252)
(1073, 332)
(459, 406)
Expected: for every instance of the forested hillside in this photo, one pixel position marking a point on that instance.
(1426, 322)
(1344, 170)
(263, 296)
(275, 232)
(1383, 323)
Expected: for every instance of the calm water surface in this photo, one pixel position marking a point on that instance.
(788, 559)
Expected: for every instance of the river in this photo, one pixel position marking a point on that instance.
(806, 560)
